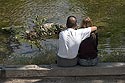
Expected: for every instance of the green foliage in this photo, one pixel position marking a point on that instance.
(114, 56)
(34, 36)
(47, 57)
(38, 32)
(5, 49)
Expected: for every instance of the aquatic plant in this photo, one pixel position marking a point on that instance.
(40, 30)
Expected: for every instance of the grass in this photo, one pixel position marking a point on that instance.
(49, 57)
(114, 56)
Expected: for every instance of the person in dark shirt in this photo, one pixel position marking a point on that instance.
(88, 52)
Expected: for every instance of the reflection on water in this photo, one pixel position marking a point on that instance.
(49, 44)
(107, 14)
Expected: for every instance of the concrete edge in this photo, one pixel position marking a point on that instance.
(0, 71)
(22, 71)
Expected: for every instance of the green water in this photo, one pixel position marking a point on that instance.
(109, 15)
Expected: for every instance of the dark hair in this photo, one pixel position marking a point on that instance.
(71, 22)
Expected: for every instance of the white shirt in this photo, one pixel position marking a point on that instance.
(69, 41)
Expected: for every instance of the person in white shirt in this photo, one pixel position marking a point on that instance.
(69, 41)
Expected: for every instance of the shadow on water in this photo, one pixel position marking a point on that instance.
(108, 15)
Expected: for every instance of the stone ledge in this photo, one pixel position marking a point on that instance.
(0, 73)
(102, 69)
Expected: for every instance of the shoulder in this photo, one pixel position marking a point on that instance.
(62, 32)
(84, 29)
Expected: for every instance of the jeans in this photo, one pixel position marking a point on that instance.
(63, 62)
(88, 62)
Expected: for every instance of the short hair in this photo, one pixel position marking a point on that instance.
(71, 22)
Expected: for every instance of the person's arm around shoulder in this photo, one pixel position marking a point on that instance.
(93, 28)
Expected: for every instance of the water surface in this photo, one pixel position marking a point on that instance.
(109, 15)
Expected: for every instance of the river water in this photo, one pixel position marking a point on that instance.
(109, 15)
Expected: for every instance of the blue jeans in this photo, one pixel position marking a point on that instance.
(88, 62)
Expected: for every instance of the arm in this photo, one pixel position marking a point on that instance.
(93, 28)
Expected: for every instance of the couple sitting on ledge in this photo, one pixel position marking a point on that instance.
(78, 46)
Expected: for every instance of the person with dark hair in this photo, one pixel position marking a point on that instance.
(69, 41)
(88, 52)
(71, 22)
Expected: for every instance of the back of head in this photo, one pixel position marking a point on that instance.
(71, 22)
(87, 22)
